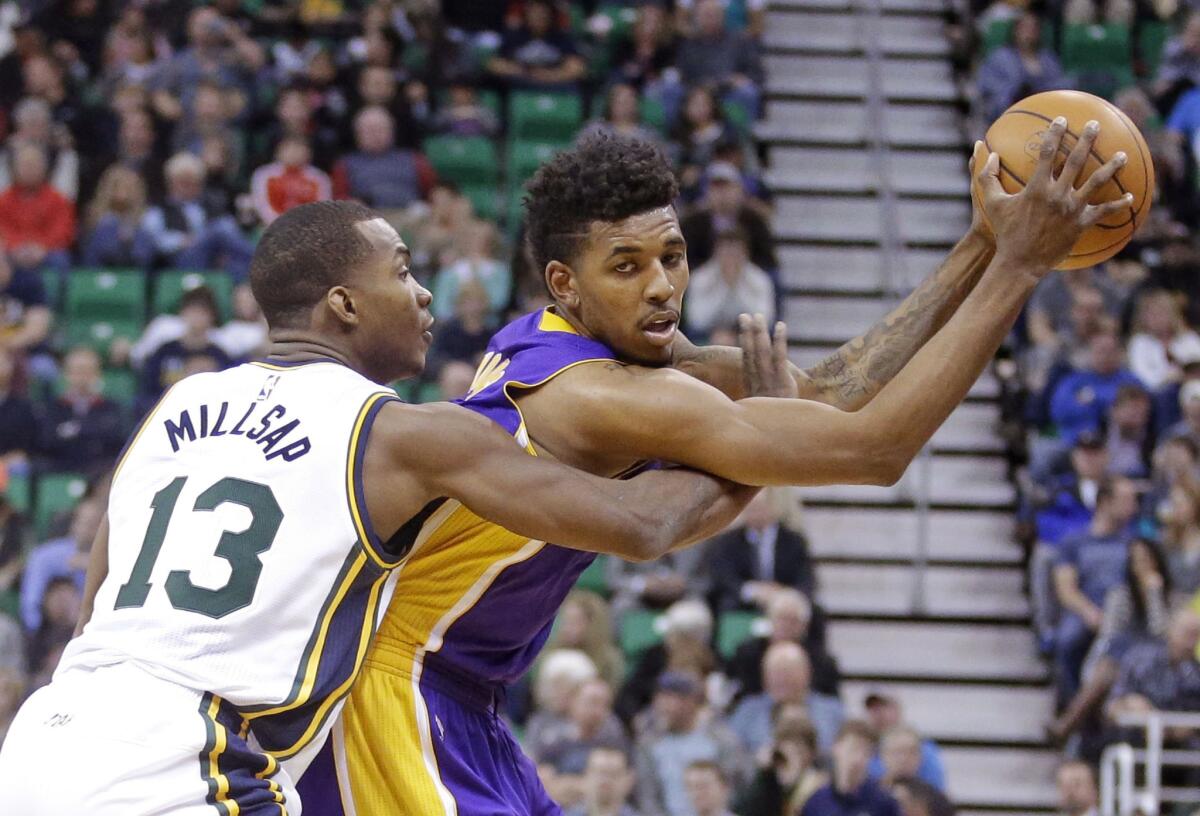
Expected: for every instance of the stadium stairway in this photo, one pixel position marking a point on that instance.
(866, 155)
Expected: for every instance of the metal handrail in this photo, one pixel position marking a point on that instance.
(1118, 764)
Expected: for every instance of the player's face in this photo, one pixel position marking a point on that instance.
(394, 317)
(629, 281)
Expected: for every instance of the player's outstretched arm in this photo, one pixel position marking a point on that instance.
(854, 374)
(97, 571)
(420, 453)
(662, 413)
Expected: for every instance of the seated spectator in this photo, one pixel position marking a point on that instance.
(294, 117)
(138, 150)
(1130, 437)
(621, 117)
(64, 557)
(735, 154)
(792, 619)
(465, 336)
(245, 335)
(433, 235)
(1189, 406)
(289, 181)
(740, 15)
(1059, 342)
(607, 783)
(917, 798)
(165, 366)
(787, 680)
(1083, 398)
(921, 758)
(646, 59)
(479, 263)
(1077, 794)
(561, 676)
(1179, 68)
(788, 771)
(464, 115)
(725, 205)
(1180, 518)
(700, 130)
(1161, 675)
(12, 694)
(81, 430)
(584, 623)
(209, 119)
(1089, 564)
(657, 584)
(591, 724)
(1160, 338)
(687, 628)
(753, 561)
(1134, 611)
(378, 88)
(536, 53)
(34, 125)
(707, 789)
(1021, 67)
(379, 173)
(676, 736)
(728, 285)
(25, 319)
(37, 224)
(114, 219)
(455, 379)
(60, 611)
(851, 791)
(181, 233)
(713, 54)
(18, 427)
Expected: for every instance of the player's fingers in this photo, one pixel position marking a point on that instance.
(1103, 175)
(1098, 212)
(989, 178)
(779, 352)
(1079, 155)
(978, 157)
(1043, 173)
(747, 341)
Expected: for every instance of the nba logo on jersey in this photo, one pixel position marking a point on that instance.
(268, 387)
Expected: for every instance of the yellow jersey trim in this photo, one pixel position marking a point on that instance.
(553, 322)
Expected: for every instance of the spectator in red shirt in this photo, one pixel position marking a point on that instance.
(37, 224)
(289, 181)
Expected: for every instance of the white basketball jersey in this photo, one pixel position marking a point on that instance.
(241, 561)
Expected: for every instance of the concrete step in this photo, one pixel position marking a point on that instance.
(826, 77)
(936, 651)
(987, 387)
(853, 220)
(824, 170)
(927, 7)
(971, 428)
(946, 712)
(958, 481)
(1009, 778)
(950, 592)
(927, 126)
(858, 270)
(841, 33)
(961, 536)
(831, 319)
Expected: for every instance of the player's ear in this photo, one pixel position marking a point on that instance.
(560, 280)
(341, 303)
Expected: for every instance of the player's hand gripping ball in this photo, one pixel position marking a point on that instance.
(1017, 136)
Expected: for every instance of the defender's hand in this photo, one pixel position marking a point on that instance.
(1037, 227)
(765, 369)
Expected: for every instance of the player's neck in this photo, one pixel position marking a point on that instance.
(573, 319)
(297, 346)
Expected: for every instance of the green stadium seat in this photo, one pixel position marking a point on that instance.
(737, 116)
(544, 117)
(997, 34)
(112, 295)
(733, 629)
(52, 283)
(525, 157)
(429, 392)
(19, 492)
(638, 631)
(170, 284)
(621, 20)
(483, 198)
(595, 577)
(465, 160)
(99, 334)
(654, 115)
(10, 604)
(57, 493)
(1099, 56)
(1152, 41)
(120, 386)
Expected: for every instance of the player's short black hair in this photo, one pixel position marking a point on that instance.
(603, 178)
(302, 254)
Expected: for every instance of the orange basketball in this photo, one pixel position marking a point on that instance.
(1017, 136)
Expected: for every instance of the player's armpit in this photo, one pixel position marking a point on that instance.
(97, 571)
(444, 450)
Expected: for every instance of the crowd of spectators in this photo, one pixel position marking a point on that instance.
(1104, 385)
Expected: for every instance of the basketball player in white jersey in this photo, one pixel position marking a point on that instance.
(255, 525)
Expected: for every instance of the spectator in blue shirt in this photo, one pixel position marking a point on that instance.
(1083, 398)
(852, 793)
(1089, 564)
(64, 557)
(910, 755)
(1021, 68)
